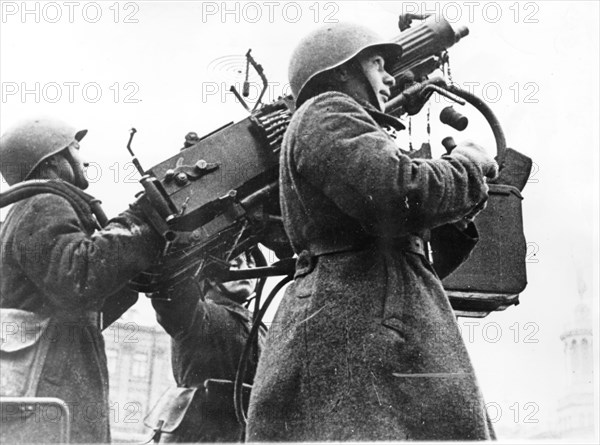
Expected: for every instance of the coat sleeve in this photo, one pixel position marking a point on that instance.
(342, 151)
(76, 270)
(180, 311)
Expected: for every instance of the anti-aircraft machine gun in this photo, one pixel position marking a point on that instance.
(219, 197)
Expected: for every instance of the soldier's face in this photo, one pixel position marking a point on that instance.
(241, 288)
(373, 65)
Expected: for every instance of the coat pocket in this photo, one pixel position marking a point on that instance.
(23, 350)
(395, 323)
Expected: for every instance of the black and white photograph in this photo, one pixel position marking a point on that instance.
(299, 221)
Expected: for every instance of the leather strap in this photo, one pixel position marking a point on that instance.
(86, 206)
(87, 318)
(408, 243)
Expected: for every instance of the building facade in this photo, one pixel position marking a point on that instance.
(575, 410)
(139, 366)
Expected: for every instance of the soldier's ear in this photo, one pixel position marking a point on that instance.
(342, 73)
(48, 168)
(349, 72)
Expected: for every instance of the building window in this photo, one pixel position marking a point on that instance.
(112, 356)
(139, 366)
(586, 360)
(574, 352)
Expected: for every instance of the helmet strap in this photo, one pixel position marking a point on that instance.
(370, 90)
(355, 67)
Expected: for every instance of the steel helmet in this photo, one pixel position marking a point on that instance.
(331, 46)
(24, 146)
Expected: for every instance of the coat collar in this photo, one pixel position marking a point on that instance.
(383, 119)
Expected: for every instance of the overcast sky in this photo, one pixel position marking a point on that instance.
(165, 69)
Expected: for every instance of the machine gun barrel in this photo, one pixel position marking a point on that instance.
(422, 44)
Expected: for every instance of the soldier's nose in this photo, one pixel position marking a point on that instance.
(389, 80)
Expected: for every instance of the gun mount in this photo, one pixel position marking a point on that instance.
(219, 197)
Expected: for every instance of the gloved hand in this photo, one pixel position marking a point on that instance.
(476, 154)
(142, 209)
(464, 222)
(137, 207)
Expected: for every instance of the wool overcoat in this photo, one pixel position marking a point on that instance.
(55, 265)
(208, 337)
(365, 345)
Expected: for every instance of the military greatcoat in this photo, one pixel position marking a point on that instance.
(365, 345)
(57, 266)
(208, 337)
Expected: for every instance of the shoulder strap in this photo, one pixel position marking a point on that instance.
(86, 206)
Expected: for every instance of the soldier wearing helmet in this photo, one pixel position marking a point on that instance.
(58, 270)
(209, 327)
(367, 346)
(310, 70)
(28, 145)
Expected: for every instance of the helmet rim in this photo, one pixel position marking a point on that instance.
(31, 141)
(313, 54)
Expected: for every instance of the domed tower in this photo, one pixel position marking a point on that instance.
(576, 407)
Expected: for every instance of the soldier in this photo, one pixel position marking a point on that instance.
(371, 350)
(209, 329)
(58, 269)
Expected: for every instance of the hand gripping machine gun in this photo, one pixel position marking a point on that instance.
(495, 274)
